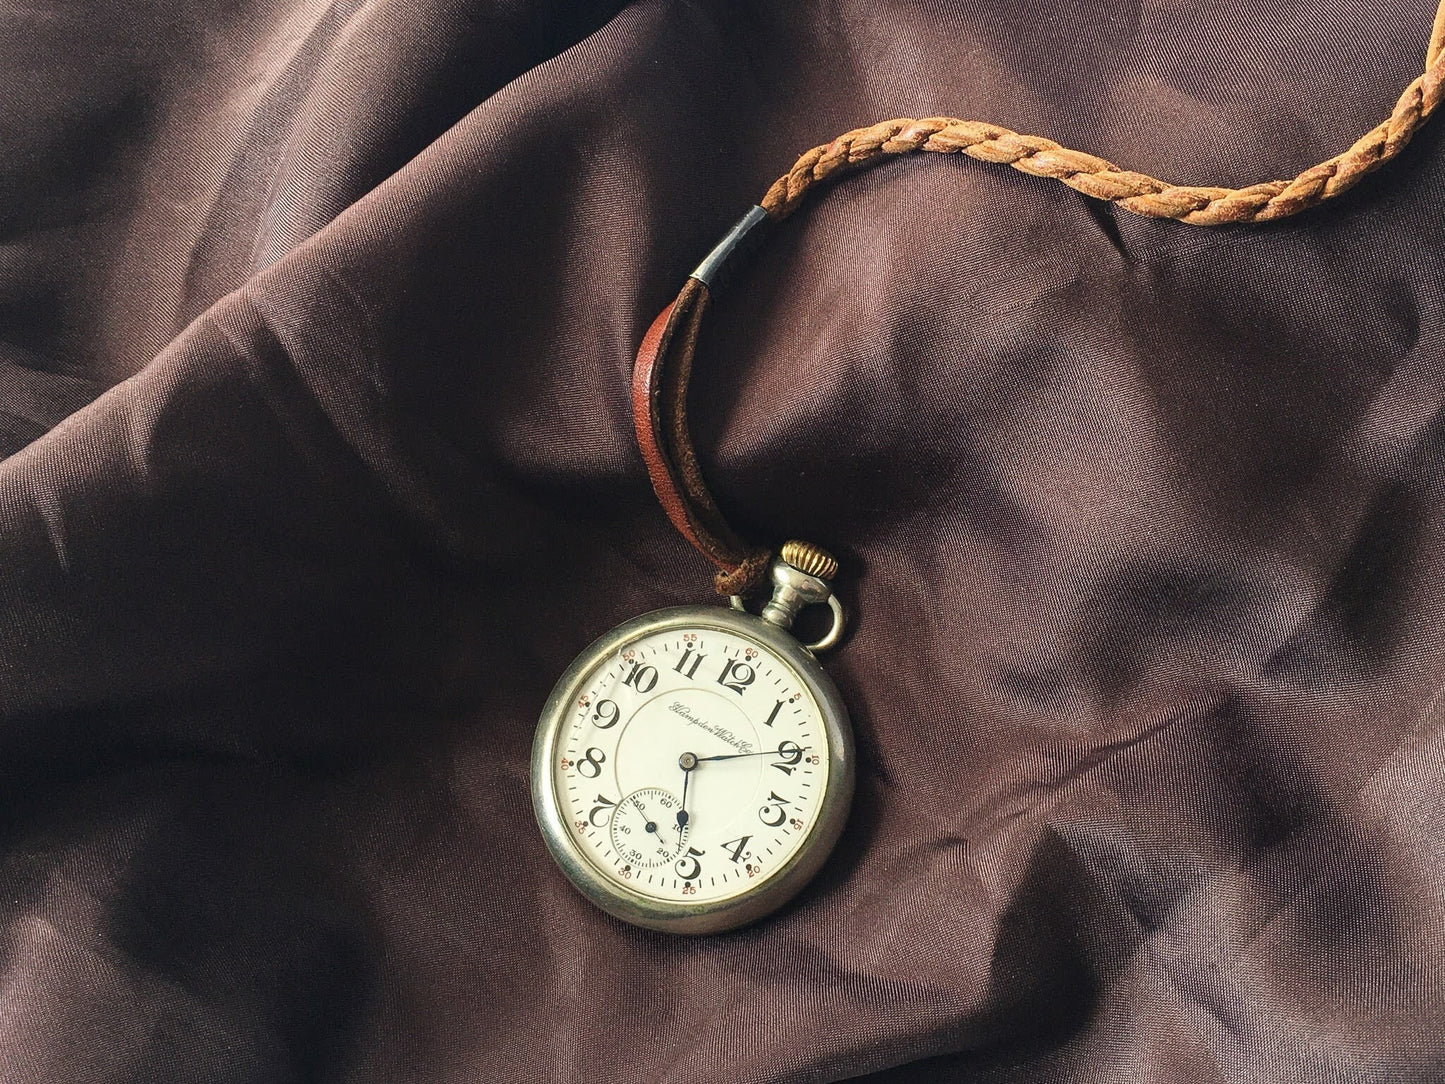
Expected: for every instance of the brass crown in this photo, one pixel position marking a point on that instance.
(806, 557)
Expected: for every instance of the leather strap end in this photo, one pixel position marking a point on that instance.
(660, 380)
(750, 578)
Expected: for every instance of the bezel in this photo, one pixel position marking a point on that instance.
(711, 916)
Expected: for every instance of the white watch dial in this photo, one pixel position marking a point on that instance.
(693, 765)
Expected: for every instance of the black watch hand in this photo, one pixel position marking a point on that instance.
(651, 826)
(759, 753)
(687, 762)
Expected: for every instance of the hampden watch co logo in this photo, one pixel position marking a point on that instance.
(720, 732)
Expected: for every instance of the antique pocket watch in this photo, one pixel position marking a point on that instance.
(693, 767)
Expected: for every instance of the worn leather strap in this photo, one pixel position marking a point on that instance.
(659, 413)
(664, 361)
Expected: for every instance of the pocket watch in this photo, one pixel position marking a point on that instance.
(693, 767)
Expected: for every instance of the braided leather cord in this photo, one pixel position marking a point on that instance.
(1136, 192)
(664, 360)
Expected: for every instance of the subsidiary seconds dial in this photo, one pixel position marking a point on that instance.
(644, 831)
(693, 764)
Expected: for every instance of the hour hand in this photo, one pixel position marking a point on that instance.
(687, 762)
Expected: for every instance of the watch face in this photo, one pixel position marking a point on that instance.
(690, 766)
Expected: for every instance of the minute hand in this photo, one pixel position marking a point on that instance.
(759, 753)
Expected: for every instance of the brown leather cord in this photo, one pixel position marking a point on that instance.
(664, 359)
(1136, 192)
(659, 414)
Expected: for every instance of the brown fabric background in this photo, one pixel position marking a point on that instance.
(315, 327)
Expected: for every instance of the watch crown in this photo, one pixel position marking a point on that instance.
(806, 557)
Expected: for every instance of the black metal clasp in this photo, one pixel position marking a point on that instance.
(741, 240)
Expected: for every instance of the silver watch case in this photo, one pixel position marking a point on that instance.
(716, 915)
